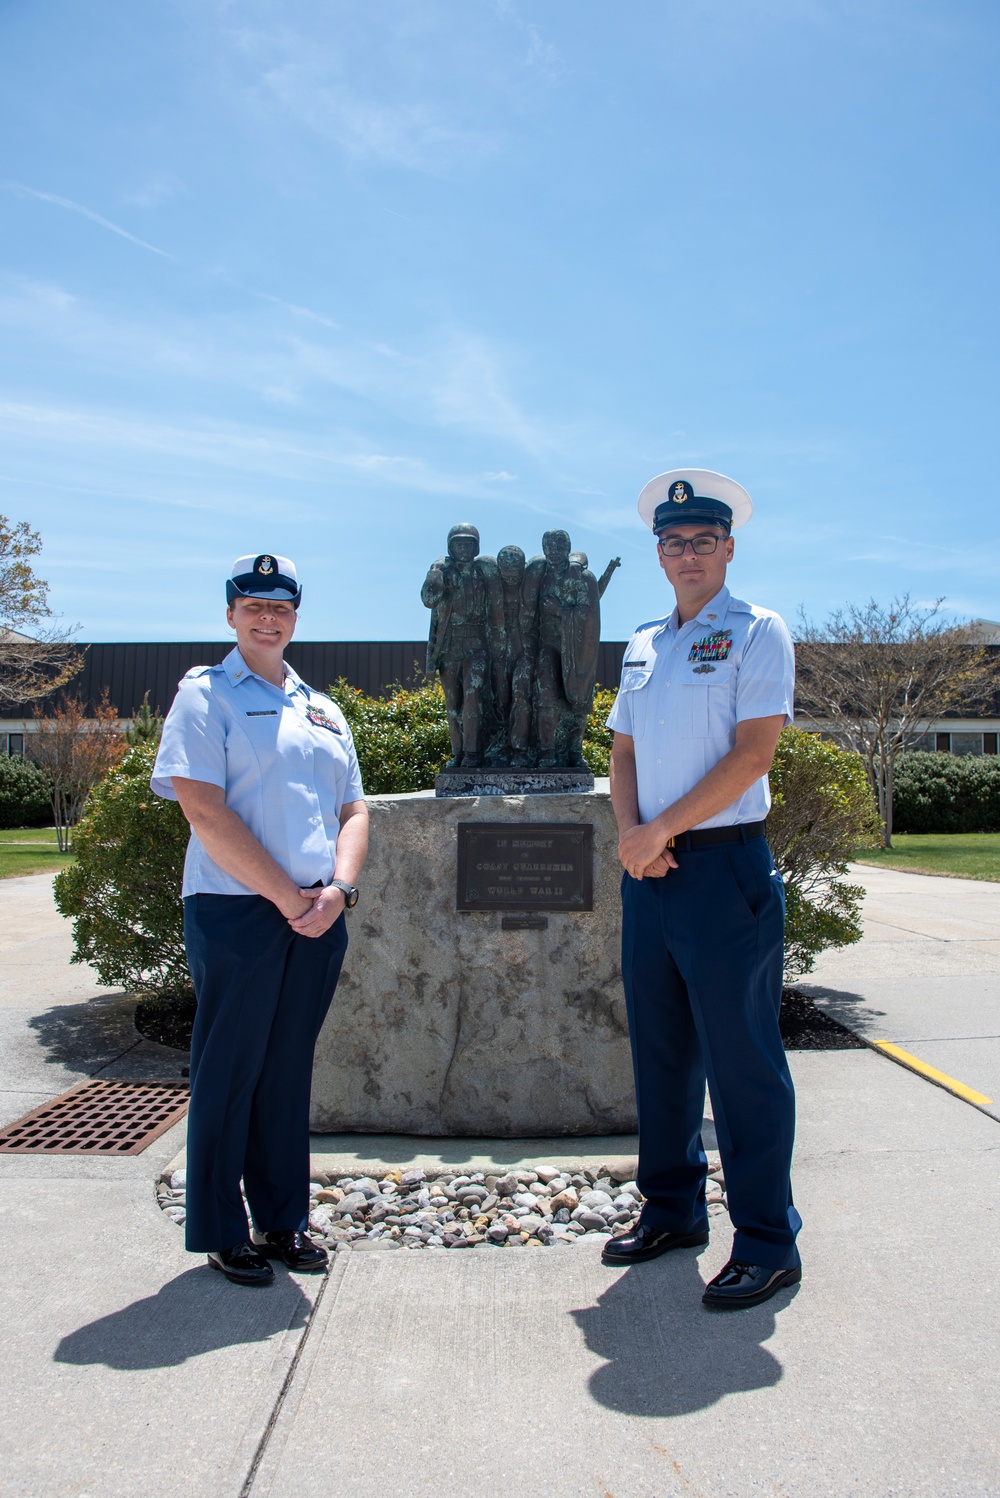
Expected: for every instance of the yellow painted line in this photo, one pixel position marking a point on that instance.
(896, 1053)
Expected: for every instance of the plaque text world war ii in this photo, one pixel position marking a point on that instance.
(526, 866)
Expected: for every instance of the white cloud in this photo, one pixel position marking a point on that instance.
(88, 213)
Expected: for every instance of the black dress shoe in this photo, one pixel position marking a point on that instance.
(648, 1243)
(741, 1284)
(242, 1264)
(295, 1250)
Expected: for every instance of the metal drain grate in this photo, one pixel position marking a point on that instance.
(98, 1118)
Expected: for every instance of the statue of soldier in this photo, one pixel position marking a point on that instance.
(565, 599)
(513, 662)
(462, 591)
(581, 558)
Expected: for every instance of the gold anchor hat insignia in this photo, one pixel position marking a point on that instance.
(266, 567)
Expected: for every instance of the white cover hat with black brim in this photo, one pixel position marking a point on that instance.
(693, 496)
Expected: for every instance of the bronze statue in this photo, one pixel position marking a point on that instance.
(461, 591)
(516, 647)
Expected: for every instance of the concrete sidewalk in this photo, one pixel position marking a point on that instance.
(927, 974)
(132, 1368)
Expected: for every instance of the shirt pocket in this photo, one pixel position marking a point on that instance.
(706, 698)
(634, 684)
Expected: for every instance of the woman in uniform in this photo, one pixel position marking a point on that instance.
(265, 772)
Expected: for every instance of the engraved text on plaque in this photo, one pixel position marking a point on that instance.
(525, 866)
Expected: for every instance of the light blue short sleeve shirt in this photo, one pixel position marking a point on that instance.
(685, 687)
(284, 757)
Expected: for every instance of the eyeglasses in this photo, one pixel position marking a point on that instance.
(675, 546)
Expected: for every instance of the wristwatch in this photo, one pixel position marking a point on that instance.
(351, 892)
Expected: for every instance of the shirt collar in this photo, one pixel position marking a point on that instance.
(237, 670)
(711, 616)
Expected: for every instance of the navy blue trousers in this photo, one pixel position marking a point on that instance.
(263, 993)
(702, 965)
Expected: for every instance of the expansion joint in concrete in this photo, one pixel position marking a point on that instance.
(336, 1271)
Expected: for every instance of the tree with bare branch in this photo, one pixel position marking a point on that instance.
(34, 664)
(874, 677)
(77, 752)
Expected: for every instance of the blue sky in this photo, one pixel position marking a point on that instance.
(323, 278)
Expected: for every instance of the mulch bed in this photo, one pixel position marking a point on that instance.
(167, 1021)
(804, 1027)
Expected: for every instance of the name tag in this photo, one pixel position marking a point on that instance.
(263, 712)
(626, 664)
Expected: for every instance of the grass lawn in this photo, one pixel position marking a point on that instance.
(30, 850)
(962, 855)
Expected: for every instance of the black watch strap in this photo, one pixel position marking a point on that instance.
(351, 892)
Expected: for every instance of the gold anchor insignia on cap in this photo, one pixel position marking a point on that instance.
(266, 568)
(679, 495)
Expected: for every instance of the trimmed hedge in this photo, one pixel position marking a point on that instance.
(25, 794)
(946, 793)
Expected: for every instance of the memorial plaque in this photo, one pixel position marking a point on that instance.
(525, 866)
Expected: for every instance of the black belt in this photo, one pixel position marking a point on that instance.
(706, 836)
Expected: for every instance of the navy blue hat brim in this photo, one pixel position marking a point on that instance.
(696, 511)
(250, 585)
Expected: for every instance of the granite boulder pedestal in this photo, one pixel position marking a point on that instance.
(448, 1021)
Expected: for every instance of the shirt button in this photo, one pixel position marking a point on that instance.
(661, 800)
(661, 722)
(666, 683)
(659, 761)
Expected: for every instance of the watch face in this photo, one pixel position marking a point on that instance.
(352, 899)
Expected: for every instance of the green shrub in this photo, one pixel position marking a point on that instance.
(597, 739)
(401, 740)
(25, 794)
(822, 811)
(124, 892)
(946, 793)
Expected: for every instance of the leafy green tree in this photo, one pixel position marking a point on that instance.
(123, 894)
(146, 727)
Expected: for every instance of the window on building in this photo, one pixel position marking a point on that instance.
(942, 743)
(966, 743)
(12, 743)
(989, 743)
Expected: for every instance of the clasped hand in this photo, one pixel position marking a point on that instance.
(318, 911)
(643, 852)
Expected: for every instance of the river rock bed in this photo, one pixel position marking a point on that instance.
(538, 1208)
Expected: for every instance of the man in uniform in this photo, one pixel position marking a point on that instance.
(704, 695)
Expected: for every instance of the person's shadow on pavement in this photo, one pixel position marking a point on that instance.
(666, 1353)
(199, 1311)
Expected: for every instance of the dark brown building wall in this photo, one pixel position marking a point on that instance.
(129, 670)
